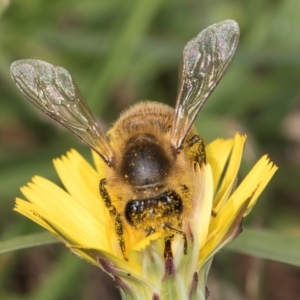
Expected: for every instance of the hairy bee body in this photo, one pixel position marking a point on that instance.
(153, 178)
(149, 153)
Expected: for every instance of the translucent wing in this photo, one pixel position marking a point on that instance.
(205, 60)
(52, 90)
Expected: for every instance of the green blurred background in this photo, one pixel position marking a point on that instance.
(120, 52)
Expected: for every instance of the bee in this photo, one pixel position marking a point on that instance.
(150, 150)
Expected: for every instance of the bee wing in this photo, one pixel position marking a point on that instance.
(52, 90)
(205, 60)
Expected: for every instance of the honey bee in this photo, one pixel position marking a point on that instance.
(151, 149)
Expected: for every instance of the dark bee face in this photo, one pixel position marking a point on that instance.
(144, 161)
(164, 207)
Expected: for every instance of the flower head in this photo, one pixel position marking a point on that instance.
(78, 216)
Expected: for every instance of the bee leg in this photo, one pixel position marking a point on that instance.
(114, 214)
(197, 149)
(151, 230)
(168, 243)
(185, 245)
(168, 247)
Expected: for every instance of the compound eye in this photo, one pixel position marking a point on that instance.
(144, 161)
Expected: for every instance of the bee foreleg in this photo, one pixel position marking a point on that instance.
(151, 230)
(114, 214)
(168, 247)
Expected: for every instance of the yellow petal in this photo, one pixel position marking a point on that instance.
(82, 218)
(228, 181)
(202, 202)
(80, 180)
(244, 197)
(100, 165)
(218, 153)
(268, 168)
(27, 209)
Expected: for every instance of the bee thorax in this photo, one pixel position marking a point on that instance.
(144, 161)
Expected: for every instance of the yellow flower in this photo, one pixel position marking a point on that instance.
(78, 217)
